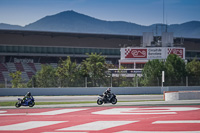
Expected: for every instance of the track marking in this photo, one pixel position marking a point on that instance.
(158, 132)
(54, 112)
(3, 111)
(28, 125)
(13, 114)
(144, 111)
(184, 121)
(64, 132)
(97, 125)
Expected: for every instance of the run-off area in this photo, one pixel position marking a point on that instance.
(124, 119)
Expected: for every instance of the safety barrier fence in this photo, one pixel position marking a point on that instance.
(111, 82)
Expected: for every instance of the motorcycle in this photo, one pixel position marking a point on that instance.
(27, 102)
(112, 99)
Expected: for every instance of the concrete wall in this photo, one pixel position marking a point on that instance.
(181, 88)
(91, 91)
(77, 91)
(182, 95)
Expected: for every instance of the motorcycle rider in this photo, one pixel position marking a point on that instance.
(107, 94)
(28, 95)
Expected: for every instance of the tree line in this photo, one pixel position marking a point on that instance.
(93, 71)
(175, 68)
(67, 74)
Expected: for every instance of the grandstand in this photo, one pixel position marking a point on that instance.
(27, 50)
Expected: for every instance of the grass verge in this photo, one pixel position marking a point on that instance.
(12, 103)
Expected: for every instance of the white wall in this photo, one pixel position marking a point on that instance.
(182, 95)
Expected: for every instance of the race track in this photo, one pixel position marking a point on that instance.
(104, 119)
(84, 98)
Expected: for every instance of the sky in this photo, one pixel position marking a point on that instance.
(143, 12)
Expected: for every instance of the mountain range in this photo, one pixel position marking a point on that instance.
(71, 21)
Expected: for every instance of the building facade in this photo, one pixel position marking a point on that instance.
(27, 50)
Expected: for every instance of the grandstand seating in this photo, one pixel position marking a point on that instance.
(30, 74)
(11, 67)
(19, 67)
(32, 66)
(38, 66)
(1, 77)
(6, 75)
(24, 76)
(54, 65)
(2, 67)
(27, 69)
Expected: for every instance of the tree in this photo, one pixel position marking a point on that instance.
(121, 80)
(193, 68)
(32, 82)
(193, 71)
(95, 67)
(175, 69)
(152, 72)
(16, 79)
(46, 77)
(67, 73)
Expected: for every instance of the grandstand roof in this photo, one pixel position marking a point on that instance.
(63, 39)
(42, 38)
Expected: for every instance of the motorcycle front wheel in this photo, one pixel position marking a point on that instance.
(99, 102)
(114, 101)
(17, 104)
(31, 104)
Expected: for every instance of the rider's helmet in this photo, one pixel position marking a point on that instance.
(109, 89)
(28, 94)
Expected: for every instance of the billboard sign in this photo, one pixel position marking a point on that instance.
(135, 53)
(124, 71)
(151, 53)
(178, 51)
(156, 53)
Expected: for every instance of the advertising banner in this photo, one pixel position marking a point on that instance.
(135, 53)
(151, 53)
(155, 53)
(178, 51)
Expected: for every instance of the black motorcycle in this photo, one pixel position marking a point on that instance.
(27, 102)
(111, 99)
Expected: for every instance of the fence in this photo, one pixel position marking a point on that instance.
(117, 82)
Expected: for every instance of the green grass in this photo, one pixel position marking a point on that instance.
(141, 101)
(7, 103)
(51, 103)
(12, 103)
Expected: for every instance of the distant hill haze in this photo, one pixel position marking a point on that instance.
(70, 21)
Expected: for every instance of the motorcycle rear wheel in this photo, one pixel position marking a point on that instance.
(17, 104)
(31, 104)
(99, 102)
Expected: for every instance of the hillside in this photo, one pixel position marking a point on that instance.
(70, 21)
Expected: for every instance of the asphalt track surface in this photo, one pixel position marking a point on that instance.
(102, 119)
(182, 116)
(123, 100)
